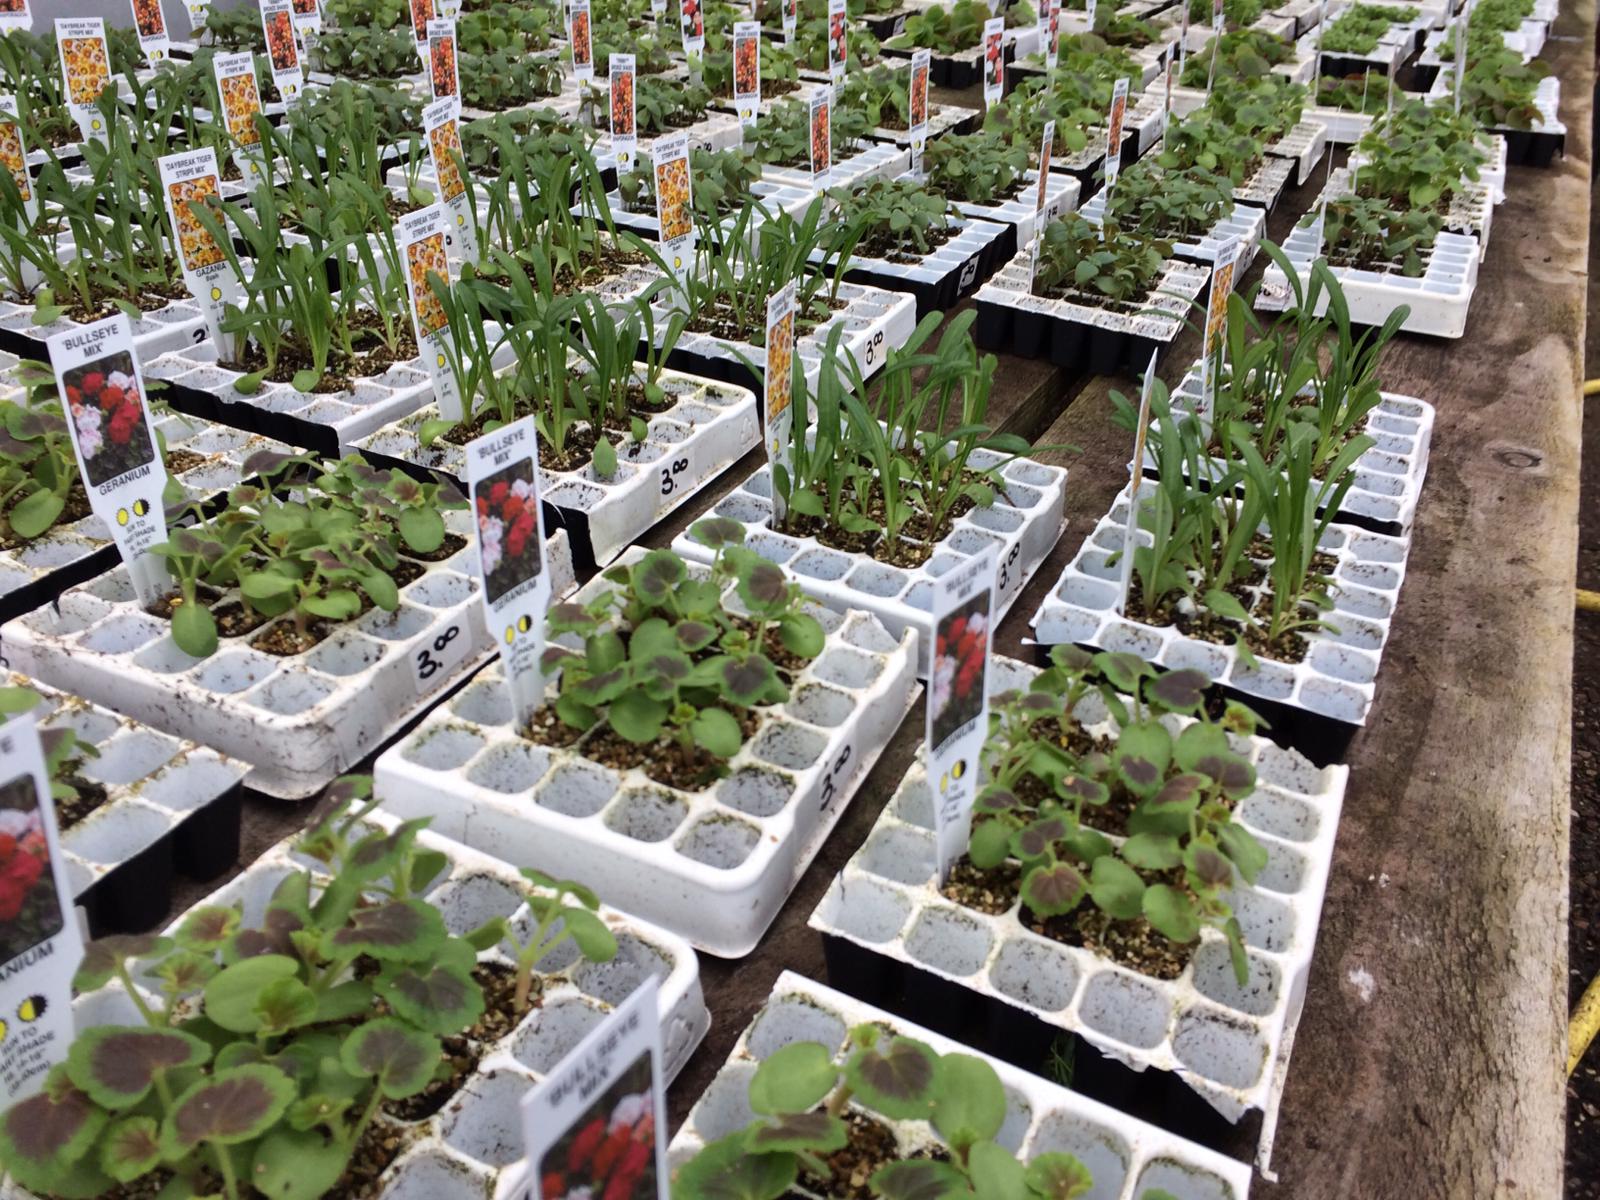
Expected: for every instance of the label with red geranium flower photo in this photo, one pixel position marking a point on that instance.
(503, 488)
(821, 138)
(15, 14)
(580, 38)
(1222, 271)
(958, 698)
(103, 398)
(40, 945)
(674, 201)
(151, 25)
(188, 180)
(1050, 29)
(441, 124)
(994, 69)
(86, 67)
(781, 307)
(283, 48)
(239, 103)
(624, 110)
(442, 77)
(838, 43)
(692, 24)
(921, 65)
(14, 155)
(424, 239)
(595, 1126)
(307, 17)
(1114, 119)
(747, 70)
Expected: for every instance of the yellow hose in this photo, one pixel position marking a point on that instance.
(1588, 601)
(1585, 1021)
(1591, 386)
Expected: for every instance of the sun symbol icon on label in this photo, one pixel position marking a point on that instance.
(216, 293)
(32, 1008)
(953, 775)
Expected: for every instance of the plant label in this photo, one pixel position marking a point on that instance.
(283, 52)
(821, 138)
(1183, 37)
(1222, 273)
(692, 25)
(674, 202)
(1091, 9)
(1216, 18)
(197, 10)
(1461, 53)
(921, 65)
(580, 37)
(441, 123)
(958, 699)
(994, 67)
(15, 14)
(307, 18)
(421, 13)
(1166, 104)
(503, 489)
(624, 112)
(658, 9)
(150, 24)
(239, 102)
(442, 77)
(608, 1092)
(424, 242)
(779, 387)
(1047, 142)
(838, 43)
(40, 944)
(188, 179)
(1052, 41)
(1394, 61)
(14, 156)
(747, 70)
(791, 20)
(86, 68)
(1114, 121)
(1130, 533)
(103, 398)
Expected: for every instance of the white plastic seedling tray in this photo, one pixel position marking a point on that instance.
(1061, 197)
(1306, 143)
(176, 325)
(951, 269)
(472, 1148)
(769, 200)
(716, 131)
(1230, 1043)
(1127, 1157)
(1160, 318)
(1022, 526)
(714, 865)
(298, 720)
(1245, 224)
(708, 427)
(1335, 679)
(1546, 98)
(869, 161)
(1471, 203)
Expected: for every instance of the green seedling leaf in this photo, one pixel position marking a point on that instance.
(442, 999)
(1152, 851)
(399, 931)
(35, 513)
(46, 1132)
(605, 458)
(230, 1107)
(132, 1148)
(195, 630)
(657, 574)
(117, 1065)
(793, 1079)
(1179, 691)
(1116, 888)
(990, 844)
(922, 1179)
(716, 731)
(104, 956)
(727, 1170)
(285, 1004)
(207, 929)
(230, 996)
(1002, 1175)
(1172, 913)
(717, 532)
(800, 1132)
(297, 1165)
(400, 1059)
(1249, 855)
(801, 634)
(897, 1081)
(969, 1103)
(422, 528)
(306, 380)
(1053, 889)
(1058, 1176)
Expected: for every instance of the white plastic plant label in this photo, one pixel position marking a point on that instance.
(675, 202)
(838, 41)
(187, 179)
(1394, 63)
(1090, 11)
(821, 112)
(443, 81)
(86, 68)
(1461, 53)
(624, 111)
(1217, 16)
(197, 10)
(503, 489)
(1050, 29)
(791, 20)
(1166, 104)
(15, 14)
(958, 698)
(1183, 37)
(692, 25)
(421, 13)
(1130, 532)
(307, 18)
(103, 399)
(239, 102)
(994, 69)
(580, 37)
(921, 65)
(1114, 120)
(747, 70)
(779, 385)
(150, 23)
(14, 156)
(1222, 272)
(283, 51)
(1047, 141)
(424, 242)
(40, 945)
(441, 124)
(608, 1091)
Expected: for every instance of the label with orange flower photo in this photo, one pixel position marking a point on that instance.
(40, 944)
(188, 180)
(15, 14)
(1114, 120)
(421, 13)
(1222, 272)
(838, 47)
(442, 77)
(86, 67)
(595, 1125)
(821, 112)
(503, 490)
(307, 17)
(14, 155)
(958, 697)
(994, 66)
(239, 103)
(441, 124)
(624, 111)
(674, 201)
(779, 390)
(692, 24)
(425, 239)
(151, 25)
(103, 398)
(747, 70)
(921, 66)
(283, 49)
(580, 38)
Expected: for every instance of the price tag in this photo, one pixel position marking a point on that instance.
(503, 488)
(15, 14)
(624, 113)
(958, 698)
(579, 37)
(186, 179)
(421, 13)
(424, 240)
(608, 1090)
(791, 20)
(1130, 532)
(103, 399)
(14, 156)
(441, 124)
(779, 387)
(86, 67)
(439, 652)
(838, 46)
(307, 18)
(442, 77)
(239, 102)
(921, 65)
(40, 945)
(283, 51)
(675, 475)
(821, 112)
(747, 70)
(1216, 322)
(674, 201)
(1119, 111)
(151, 26)
(692, 25)
(994, 68)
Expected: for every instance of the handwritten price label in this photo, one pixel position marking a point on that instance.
(444, 647)
(831, 788)
(674, 477)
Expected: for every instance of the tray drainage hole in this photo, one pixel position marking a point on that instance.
(1214, 979)
(720, 842)
(1100, 1149)
(1189, 1183)
(1341, 662)
(1123, 1007)
(1219, 1049)
(131, 757)
(1282, 816)
(228, 673)
(471, 901)
(756, 792)
(914, 803)
(577, 790)
(950, 941)
(847, 668)
(442, 589)
(1035, 973)
(772, 547)
(646, 816)
(614, 981)
(1274, 681)
(486, 702)
(1212, 661)
(426, 1176)
(290, 694)
(110, 833)
(486, 1123)
(865, 909)
(875, 579)
(190, 783)
(903, 855)
(821, 564)
(510, 768)
(443, 747)
(123, 635)
(724, 1107)
(1023, 471)
(818, 705)
(787, 745)
(405, 622)
(794, 1019)
(346, 655)
(115, 587)
(1085, 592)
(1266, 920)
